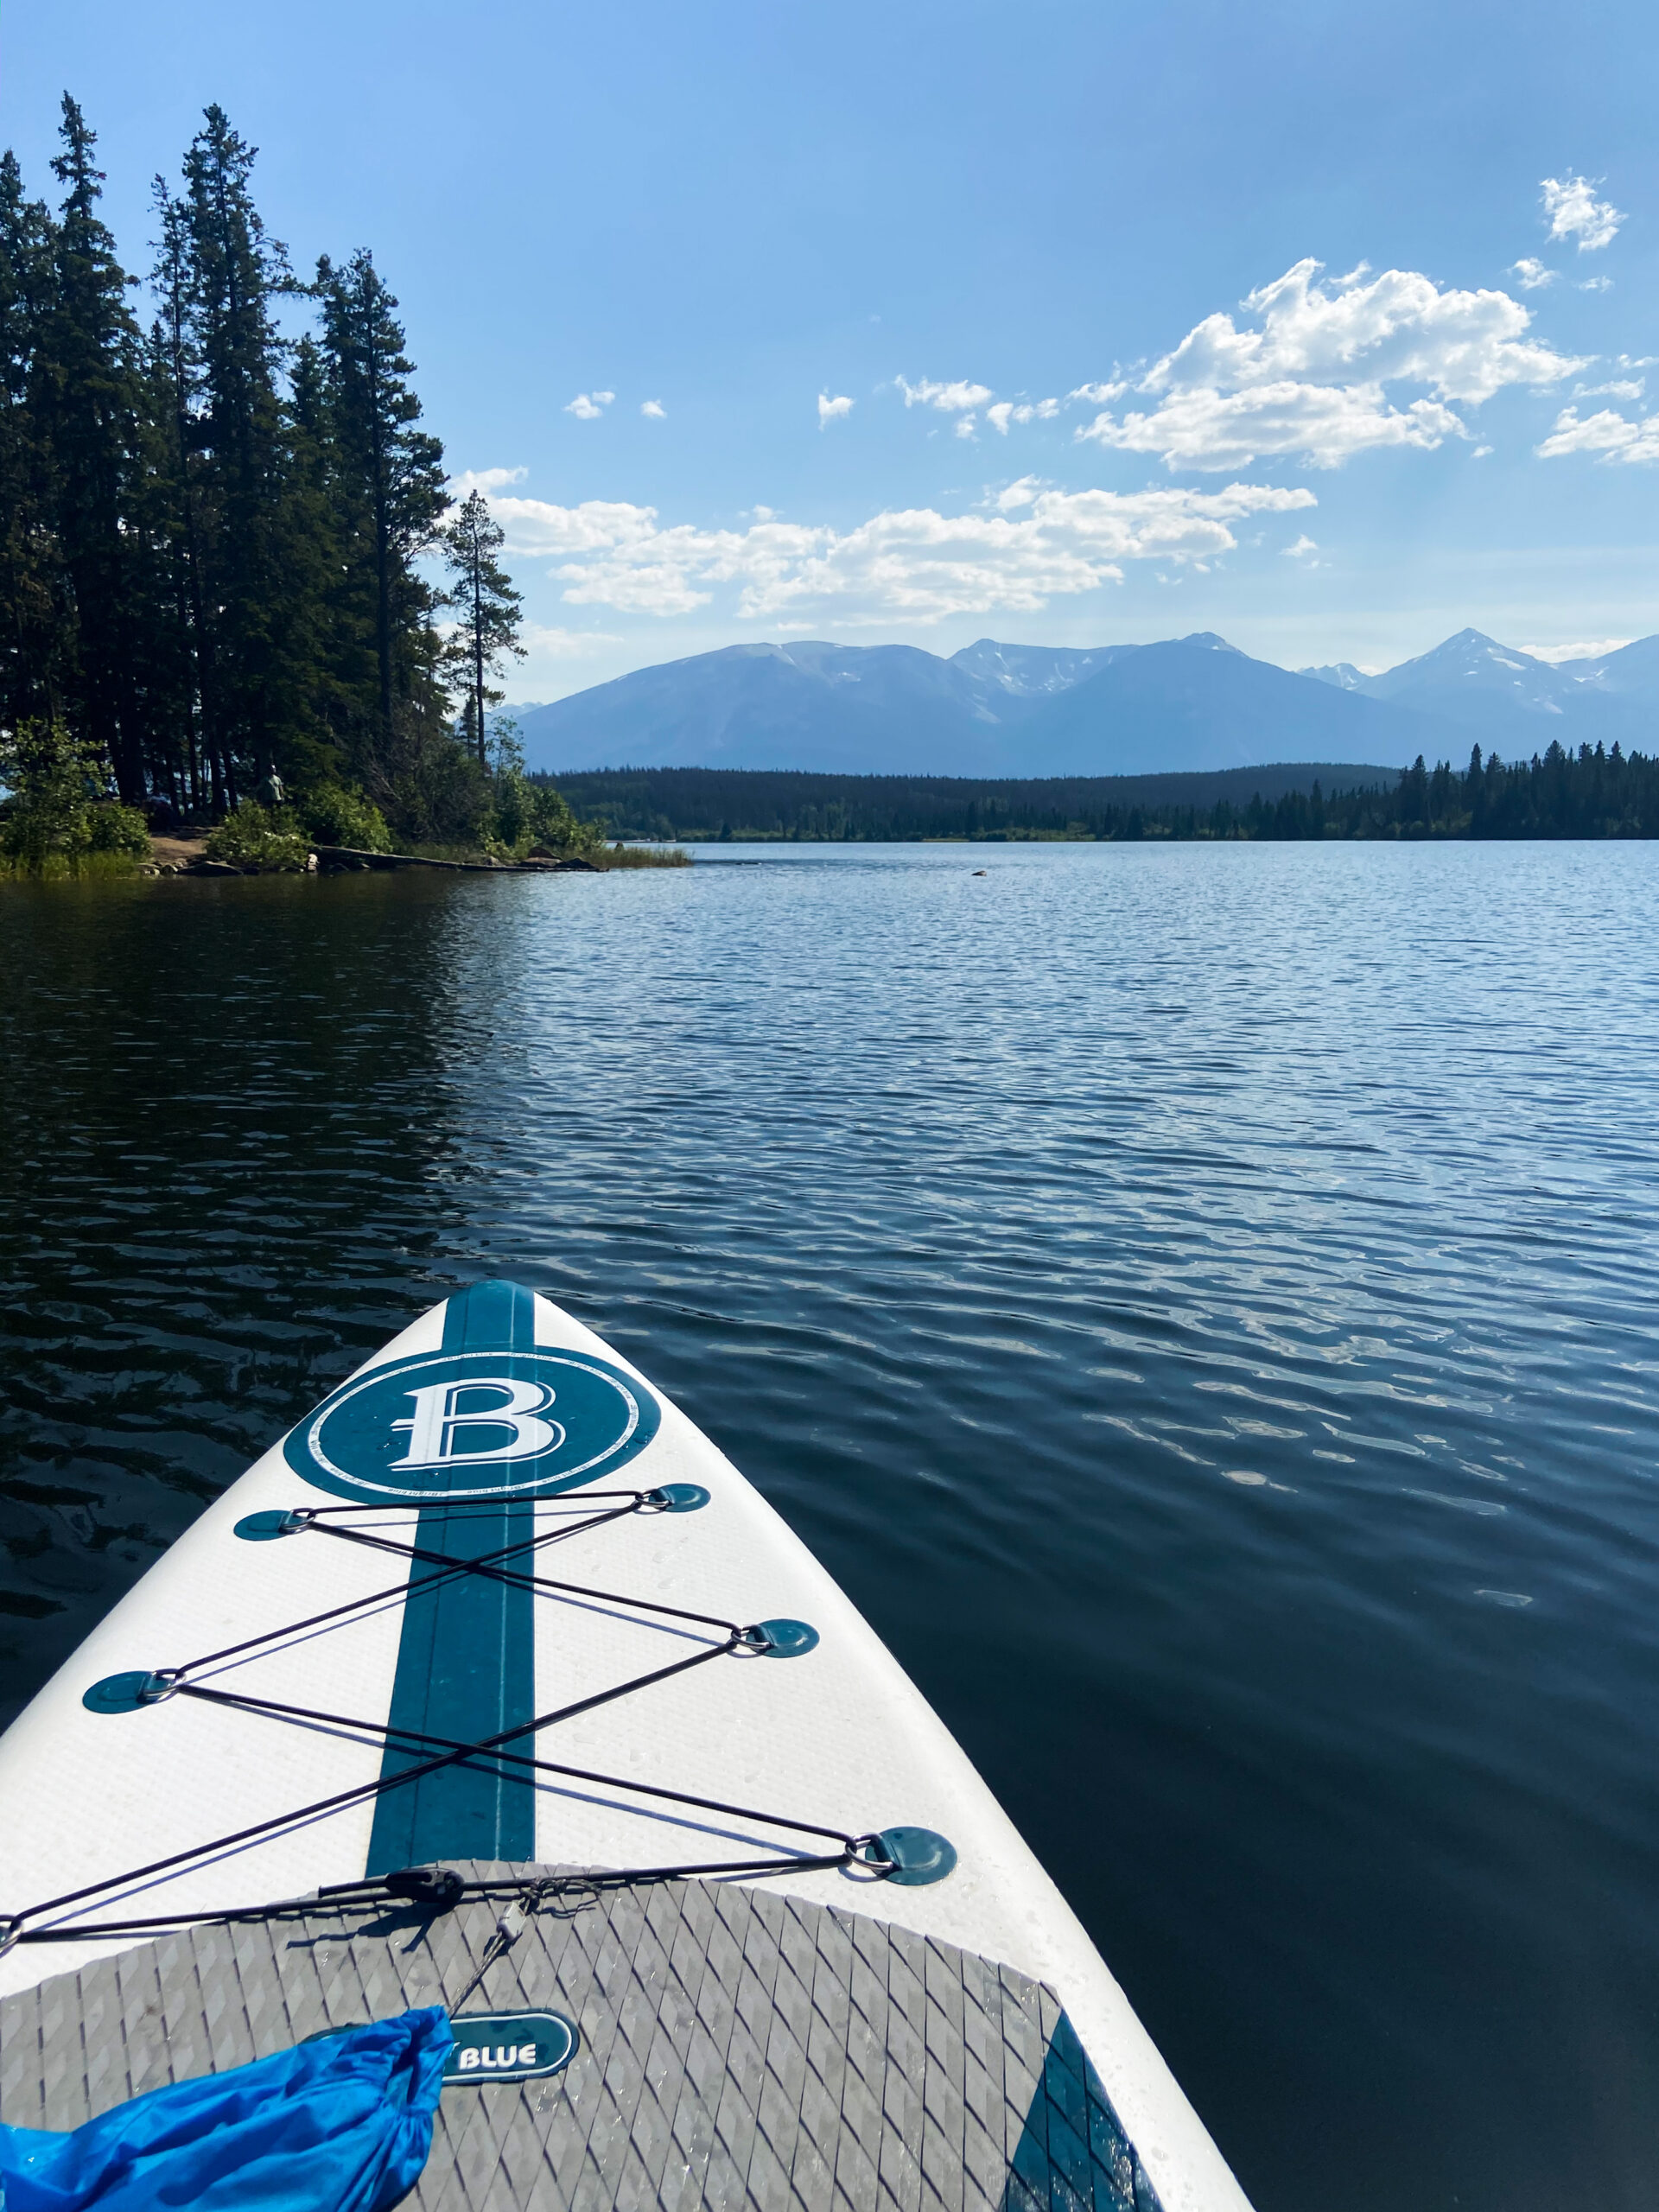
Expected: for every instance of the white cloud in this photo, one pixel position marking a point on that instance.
(1619, 388)
(1097, 395)
(967, 427)
(949, 398)
(1594, 649)
(1595, 284)
(917, 564)
(1018, 494)
(831, 410)
(588, 406)
(1324, 425)
(1304, 546)
(542, 643)
(1533, 274)
(1313, 380)
(653, 410)
(1481, 452)
(604, 398)
(1024, 410)
(1575, 212)
(487, 481)
(1611, 436)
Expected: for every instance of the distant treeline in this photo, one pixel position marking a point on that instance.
(1587, 794)
(213, 533)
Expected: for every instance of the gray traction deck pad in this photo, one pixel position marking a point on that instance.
(737, 2049)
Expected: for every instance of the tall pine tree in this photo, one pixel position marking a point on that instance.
(487, 608)
(233, 272)
(36, 616)
(89, 399)
(389, 480)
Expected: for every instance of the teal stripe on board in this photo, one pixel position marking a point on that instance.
(1074, 2154)
(466, 1661)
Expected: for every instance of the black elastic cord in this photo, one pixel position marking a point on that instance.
(494, 1574)
(361, 1790)
(599, 1878)
(385, 1731)
(447, 1753)
(452, 1567)
(649, 1500)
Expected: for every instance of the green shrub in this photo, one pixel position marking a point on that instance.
(57, 781)
(260, 841)
(334, 815)
(543, 816)
(118, 829)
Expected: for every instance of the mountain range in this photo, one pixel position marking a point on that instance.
(1184, 704)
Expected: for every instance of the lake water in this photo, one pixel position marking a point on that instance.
(1200, 1300)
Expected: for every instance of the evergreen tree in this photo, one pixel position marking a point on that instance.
(389, 483)
(35, 615)
(489, 607)
(311, 627)
(88, 406)
(174, 380)
(231, 361)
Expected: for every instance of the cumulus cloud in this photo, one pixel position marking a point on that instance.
(1023, 410)
(1097, 395)
(487, 481)
(1611, 436)
(949, 398)
(1575, 212)
(915, 563)
(1595, 284)
(1302, 550)
(1532, 273)
(1312, 379)
(831, 410)
(1619, 388)
(653, 410)
(588, 406)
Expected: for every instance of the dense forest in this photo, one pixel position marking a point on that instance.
(1587, 794)
(220, 523)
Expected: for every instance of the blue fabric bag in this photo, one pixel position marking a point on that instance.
(340, 2123)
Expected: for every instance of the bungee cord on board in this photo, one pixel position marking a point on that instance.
(908, 1855)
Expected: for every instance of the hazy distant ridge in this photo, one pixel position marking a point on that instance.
(1185, 705)
(1497, 695)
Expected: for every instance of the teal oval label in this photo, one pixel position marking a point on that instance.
(474, 1425)
(508, 2047)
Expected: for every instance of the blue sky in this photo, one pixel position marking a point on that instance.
(1327, 328)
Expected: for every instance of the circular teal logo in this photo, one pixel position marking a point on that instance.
(474, 1424)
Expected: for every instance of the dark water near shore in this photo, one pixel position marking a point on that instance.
(1200, 1302)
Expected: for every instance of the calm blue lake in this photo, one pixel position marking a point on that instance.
(1200, 1302)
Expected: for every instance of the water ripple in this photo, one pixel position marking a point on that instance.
(1200, 1302)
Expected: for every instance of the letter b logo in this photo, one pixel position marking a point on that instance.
(502, 1412)
(474, 1424)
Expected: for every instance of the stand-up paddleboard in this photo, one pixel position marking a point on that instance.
(495, 1685)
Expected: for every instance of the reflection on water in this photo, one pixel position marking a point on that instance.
(1199, 1301)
